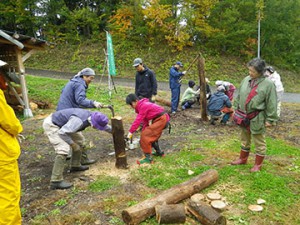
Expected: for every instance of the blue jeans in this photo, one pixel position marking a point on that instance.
(175, 98)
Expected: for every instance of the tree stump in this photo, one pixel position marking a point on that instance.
(167, 214)
(119, 142)
(138, 213)
(205, 214)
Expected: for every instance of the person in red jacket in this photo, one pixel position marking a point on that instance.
(154, 120)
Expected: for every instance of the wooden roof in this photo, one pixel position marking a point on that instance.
(28, 42)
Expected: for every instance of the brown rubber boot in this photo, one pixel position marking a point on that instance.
(258, 163)
(243, 158)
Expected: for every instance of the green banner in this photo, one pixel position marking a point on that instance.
(110, 53)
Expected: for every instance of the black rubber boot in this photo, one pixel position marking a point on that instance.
(60, 185)
(158, 151)
(85, 159)
(57, 180)
(78, 168)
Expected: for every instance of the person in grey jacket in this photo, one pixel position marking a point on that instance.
(73, 95)
(63, 130)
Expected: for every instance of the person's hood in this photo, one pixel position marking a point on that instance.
(77, 79)
(140, 103)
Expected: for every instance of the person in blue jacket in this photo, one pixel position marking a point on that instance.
(175, 83)
(145, 81)
(73, 95)
(219, 104)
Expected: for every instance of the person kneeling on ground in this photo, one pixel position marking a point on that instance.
(219, 104)
(189, 96)
(63, 130)
(148, 112)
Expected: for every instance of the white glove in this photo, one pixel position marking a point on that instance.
(153, 98)
(129, 135)
(198, 91)
(184, 72)
(97, 104)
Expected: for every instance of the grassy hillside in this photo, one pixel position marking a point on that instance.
(72, 58)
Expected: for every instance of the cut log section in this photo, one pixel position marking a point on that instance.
(138, 213)
(167, 214)
(163, 101)
(218, 204)
(214, 196)
(205, 214)
(119, 142)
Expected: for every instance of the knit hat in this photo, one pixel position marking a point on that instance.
(191, 83)
(99, 121)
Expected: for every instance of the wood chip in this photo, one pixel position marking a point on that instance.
(190, 172)
(197, 198)
(218, 204)
(260, 201)
(214, 196)
(255, 208)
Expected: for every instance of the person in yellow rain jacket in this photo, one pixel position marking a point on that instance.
(10, 184)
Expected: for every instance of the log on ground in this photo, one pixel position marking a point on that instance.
(138, 213)
(167, 214)
(205, 213)
(163, 101)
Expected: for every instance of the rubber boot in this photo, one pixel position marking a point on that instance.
(158, 151)
(57, 181)
(85, 159)
(145, 160)
(243, 158)
(258, 163)
(75, 163)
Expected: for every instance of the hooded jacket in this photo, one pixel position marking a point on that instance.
(146, 111)
(10, 127)
(73, 95)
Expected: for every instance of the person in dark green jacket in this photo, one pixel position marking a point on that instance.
(263, 104)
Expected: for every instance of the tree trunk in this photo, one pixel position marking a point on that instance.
(201, 69)
(138, 213)
(166, 214)
(119, 142)
(205, 213)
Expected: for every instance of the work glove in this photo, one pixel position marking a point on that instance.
(184, 72)
(108, 129)
(75, 147)
(97, 104)
(198, 91)
(129, 136)
(153, 98)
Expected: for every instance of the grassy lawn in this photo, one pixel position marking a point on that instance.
(278, 183)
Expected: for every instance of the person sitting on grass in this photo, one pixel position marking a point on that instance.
(154, 119)
(218, 105)
(189, 96)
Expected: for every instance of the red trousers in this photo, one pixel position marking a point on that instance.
(152, 133)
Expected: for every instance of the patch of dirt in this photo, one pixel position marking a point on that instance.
(87, 207)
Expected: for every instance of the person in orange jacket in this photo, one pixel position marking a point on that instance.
(10, 184)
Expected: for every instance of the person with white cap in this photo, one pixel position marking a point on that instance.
(175, 84)
(219, 105)
(272, 74)
(73, 95)
(229, 88)
(63, 130)
(145, 81)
